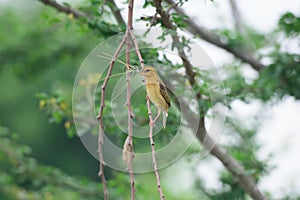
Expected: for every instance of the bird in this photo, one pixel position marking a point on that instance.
(157, 92)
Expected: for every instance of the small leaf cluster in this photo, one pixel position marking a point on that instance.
(290, 24)
(58, 107)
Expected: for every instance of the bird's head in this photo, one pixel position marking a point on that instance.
(149, 72)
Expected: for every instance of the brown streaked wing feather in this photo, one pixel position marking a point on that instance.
(164, 93)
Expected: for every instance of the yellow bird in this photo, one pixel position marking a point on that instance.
(157, 92)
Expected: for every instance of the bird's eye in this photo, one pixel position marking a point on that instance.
(147, 70)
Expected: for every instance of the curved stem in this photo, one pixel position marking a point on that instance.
(100, 121)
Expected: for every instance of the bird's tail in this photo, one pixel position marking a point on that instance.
(165, 115)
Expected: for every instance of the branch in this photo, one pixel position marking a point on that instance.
(232, 165)
(137, 50)
(116, 12)
(89, 20)
(77, 14)
(214, 39)
(130, 114)
(99, 117)
(162, 197)
(237, 17)
(165, 17)
(239, 25)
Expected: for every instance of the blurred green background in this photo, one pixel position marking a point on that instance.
(36, 57)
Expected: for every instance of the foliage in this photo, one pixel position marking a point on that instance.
(58, 42)
(244, 149)
(49, 61)
(26, 178)
(58, 107)
(27, 63)
(280, 77)
(290, 24)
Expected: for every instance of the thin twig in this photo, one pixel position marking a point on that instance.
(109, 57)
(240, 27)
(162, 197)
(130, 114)
(65, 9)
(153, 151)
(237, 17)
(154, 18)
(78, 14)
(101, 126)
(116, 12)
(137, 50)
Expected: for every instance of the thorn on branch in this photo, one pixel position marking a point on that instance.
(131, 115)
(100, 173)
(101, 141)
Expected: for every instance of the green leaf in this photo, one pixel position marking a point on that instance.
(57, 116)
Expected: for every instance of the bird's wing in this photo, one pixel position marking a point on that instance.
(164, 93)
